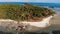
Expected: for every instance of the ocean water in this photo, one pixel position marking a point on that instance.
(56, 6)
(35, 3)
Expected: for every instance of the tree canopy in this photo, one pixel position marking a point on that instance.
(23, 12)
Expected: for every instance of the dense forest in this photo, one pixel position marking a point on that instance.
(25, 12)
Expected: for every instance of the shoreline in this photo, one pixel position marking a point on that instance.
(43, 23)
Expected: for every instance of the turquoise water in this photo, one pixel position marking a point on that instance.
(36, 3)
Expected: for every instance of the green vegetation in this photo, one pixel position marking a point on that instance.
(24, 12)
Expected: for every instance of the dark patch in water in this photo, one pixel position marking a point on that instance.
(56, 32)
(1, 32)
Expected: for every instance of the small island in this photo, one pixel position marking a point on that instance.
(26, 13)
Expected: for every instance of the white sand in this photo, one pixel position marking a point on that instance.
(43, 23)
(11, 23)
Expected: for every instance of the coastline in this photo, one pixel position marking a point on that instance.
(54, 25)
(43, 23)
(32, 26)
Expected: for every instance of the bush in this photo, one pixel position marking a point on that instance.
(24, 12)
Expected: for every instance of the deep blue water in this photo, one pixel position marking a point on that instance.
(36, 3)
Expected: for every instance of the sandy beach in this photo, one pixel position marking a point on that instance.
(55, 20)
(55, 24)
